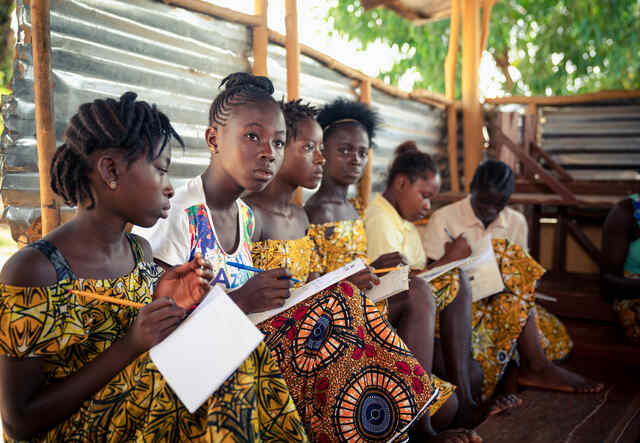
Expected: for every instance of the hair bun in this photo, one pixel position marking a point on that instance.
(408, 147)
(244, 79)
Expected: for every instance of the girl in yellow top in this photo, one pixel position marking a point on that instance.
(324, 357)
(75, 369)
(338, 229)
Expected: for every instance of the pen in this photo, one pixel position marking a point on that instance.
(383, 270)
(108, 298)
(449, 234)
(252, 269)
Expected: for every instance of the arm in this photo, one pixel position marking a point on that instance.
(617, 234)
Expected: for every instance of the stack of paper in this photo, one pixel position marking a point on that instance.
(311, 288)
(206, 349)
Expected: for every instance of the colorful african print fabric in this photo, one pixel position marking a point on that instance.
(299, 256)
(67, 331)
(350, 374)
(555, 339)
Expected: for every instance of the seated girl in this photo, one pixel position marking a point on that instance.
(338, 230)
(505, 322)
(363, 345)
(412, 181)
(621, 268)
(75, 369)
(485, 212)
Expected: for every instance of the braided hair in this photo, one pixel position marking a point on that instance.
(412, 162)
(240, 88)
(294, 112)
(342, 112)
(493, 174)
(129, 126)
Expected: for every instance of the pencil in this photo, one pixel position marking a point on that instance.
(108, 298)
(252, 269)
(383, 270)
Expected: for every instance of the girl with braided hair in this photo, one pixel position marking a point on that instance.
(337, 227)
(74, 369)
(329, 343)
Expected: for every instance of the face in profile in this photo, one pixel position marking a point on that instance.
(346, 149)
(303, 159)
(415, 197)
(251, 144)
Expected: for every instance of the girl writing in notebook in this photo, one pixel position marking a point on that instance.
(77, 369)
(338, 230)
(343, 354)
(506, 322)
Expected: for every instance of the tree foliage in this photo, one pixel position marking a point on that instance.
(7, 46)
(558, 47)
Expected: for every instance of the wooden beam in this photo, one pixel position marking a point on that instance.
(594, 187)
(486, 24)
(471, 108)
(565, 100)
(216, 11)
(260, 38)
(586, 243)
(534, 166)
(559, 259)
(585, 201)
(536, 151)
(364, 186)
(450, 86)
(45, 118)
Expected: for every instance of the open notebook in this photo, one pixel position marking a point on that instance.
(311, 288)
(480, 267)
(391, 284)
(206, 348)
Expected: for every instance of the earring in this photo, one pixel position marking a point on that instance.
(113, 185)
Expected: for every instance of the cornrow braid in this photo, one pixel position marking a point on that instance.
(412, 162)
(342, 112)
(493, 174)
(294, 112)
(133, 127)
(240, 88)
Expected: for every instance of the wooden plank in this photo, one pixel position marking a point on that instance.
(260, 39)
(585, 201)
(471, 109)
(216, 11)
(559, 261)
(529, 133)
(45, 118)
(486, 23)
(537, 151)
(534, 234)
(566, 100)
(593, 187)
(450, 86)
(535, 168)
(364, 186)
(585, 242)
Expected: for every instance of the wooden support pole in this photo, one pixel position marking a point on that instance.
(292, 45)
(471, 109)
(586, 243)
(486, 24)
(450, 84)
(260, 39)
(364, 186)
(559, 260)
(45, 119)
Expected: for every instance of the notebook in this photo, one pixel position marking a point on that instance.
(205, 349)
(391, 284)
(311, 288)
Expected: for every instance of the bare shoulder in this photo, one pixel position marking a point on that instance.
(28, 268)
(620, 216)
(319, 214)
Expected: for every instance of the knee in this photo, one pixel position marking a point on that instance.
(465, 287)
(421, 297)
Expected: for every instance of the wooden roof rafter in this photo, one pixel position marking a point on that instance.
(419, 12)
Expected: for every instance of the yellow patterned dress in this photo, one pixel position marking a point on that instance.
(351, 376)
(342, 242)
(67, 331)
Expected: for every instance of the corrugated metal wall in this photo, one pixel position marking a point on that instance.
(594, 142)
(174, 58)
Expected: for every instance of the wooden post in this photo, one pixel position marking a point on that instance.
(45, 120)
(260, 39)
(364, 186)
(450, 85)
(486, 24)
(559, 261)
(292, 45)
(471, 109)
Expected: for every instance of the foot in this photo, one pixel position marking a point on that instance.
(456, 436)
(474, 415)
(503, 402)
(555, 378)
